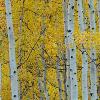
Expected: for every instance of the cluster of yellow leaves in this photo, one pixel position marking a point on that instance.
(87, 38)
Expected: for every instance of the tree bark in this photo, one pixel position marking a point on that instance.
(99, 13)
(58, 75)
(93, 72)
(72, 50)
(43, 60)
(13, 67)
(40, 86)
(84, 55)
(66, 55)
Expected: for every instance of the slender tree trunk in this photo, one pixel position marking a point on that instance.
(99, 31)
(80, 16)
(44, 74)
(73, 67)
(43, 59)
(99, 13)
(84, 55)
(58, 76)
(40, 86)
(59, 79)
(93, 72)
(93, 76)
(13, 67)
(65, 77)
(92, 16)
(66, 56)
(73, 73)
(84, 75)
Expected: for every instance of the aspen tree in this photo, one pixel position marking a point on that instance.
(43, 55)
(66, 57)
(84, 55)
(58, 67)
(13, 67)
(40, 86)
(99, 13)
(43, 59)
(93, 71)
(65, 77)
(72, 50)
(99, 31)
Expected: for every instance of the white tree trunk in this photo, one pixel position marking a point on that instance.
(80, 16)
(44, 74)
(40, 89)
(93, 76)
(92, 16)
(84, 75)
(67, 61)
(43, 59)
(93, 72)
(73, 73)
(84, 55)
(13, 67)
(99, 13)
(40, 86)
(99, 31)
(73, 67)
(58, 76)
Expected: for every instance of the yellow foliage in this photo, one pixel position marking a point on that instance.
(31, 39)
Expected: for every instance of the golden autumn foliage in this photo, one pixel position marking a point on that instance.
(30, 36)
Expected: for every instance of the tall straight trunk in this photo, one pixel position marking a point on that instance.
(66, 56)
(72, 51)
(0, 82)
(93, 72)
(40, 86)
(93, 76)
(73, 73)
(58, 67)
(99, 13)
(84, 55)
(84, 75)
(13, 67)
(80, 16)
(59, 76)
(44, 74)
(99, 31)
(65, 77)
(43, 59)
